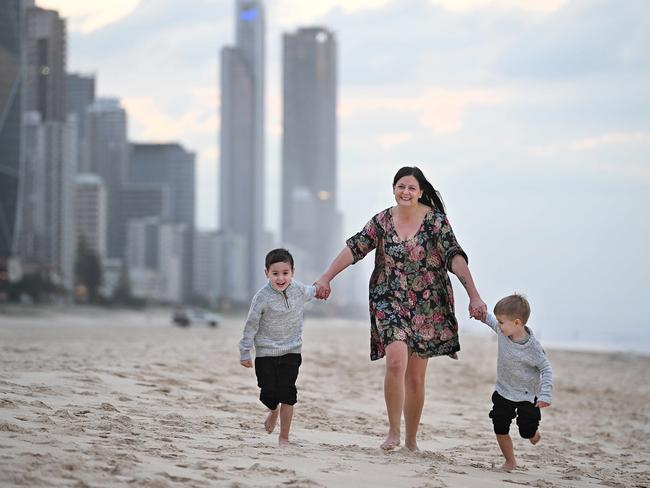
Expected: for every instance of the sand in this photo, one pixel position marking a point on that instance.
(97, 398)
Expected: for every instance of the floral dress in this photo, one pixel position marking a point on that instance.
(411, 297)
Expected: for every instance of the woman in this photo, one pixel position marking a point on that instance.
(411, 299)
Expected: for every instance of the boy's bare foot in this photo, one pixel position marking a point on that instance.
(508, 466)
(271, 420)
(283, 441)
(391, 442)
(536, 438)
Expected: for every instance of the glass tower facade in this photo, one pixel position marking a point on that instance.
(11, 72)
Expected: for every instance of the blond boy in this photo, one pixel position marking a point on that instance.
(524, 376)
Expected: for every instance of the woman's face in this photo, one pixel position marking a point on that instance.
(407, 191)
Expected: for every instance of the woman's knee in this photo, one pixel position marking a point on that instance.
(414, 381)
(396, 358)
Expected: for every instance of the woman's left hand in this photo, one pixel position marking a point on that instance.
(477, 308)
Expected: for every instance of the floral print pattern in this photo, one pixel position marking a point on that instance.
(411, 297)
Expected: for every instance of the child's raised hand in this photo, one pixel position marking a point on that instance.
(541, 404)
(246, 363)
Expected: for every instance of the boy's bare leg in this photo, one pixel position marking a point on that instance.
(271, 419)
(286, 414)
(536, 438)
(505, 443)
(396, 363)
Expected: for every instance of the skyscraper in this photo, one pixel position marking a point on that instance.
(46, 64)
(79, 94)
(11, 56)
(311, 223)
(241, 200)
(46, 227)
(106, 132)
(171, 168)
(90, 213)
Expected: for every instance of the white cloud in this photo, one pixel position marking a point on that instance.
(149, 122)
(86, 16)
(292, 12)
(591, 143)
(535, 5)
(393, 139)
(440, 110)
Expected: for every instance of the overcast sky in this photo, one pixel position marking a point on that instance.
(531, 117)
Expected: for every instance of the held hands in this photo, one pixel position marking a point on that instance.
(477, 309)
(541, 404)
(246, 363)
(323, 289)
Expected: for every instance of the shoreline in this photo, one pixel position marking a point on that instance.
(157, 315)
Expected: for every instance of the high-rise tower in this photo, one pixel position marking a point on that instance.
(106, 132)
(79, 95)
(311, 224)
(11, 53)
(241, 200)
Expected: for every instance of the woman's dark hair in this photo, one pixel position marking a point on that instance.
(278, 256)
(430, 196)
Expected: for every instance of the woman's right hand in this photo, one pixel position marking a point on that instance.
(323, 289)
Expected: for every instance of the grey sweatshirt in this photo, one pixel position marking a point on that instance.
(523, 371)
(274, 322)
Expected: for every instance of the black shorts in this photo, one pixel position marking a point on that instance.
(504, 410)
(276, 377)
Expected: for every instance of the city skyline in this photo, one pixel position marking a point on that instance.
(527, 116)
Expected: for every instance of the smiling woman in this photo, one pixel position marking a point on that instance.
(85, 16)
(412, 315)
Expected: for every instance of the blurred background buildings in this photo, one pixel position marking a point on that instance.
(87, 215)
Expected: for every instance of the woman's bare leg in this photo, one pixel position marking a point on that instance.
(396, 363)
(414, 399)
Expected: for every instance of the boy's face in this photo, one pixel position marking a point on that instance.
(510, 327)
(279, 275)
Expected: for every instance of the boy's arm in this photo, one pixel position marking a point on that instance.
(250, 329)
(491, 321)
(307, 292)
(546, 381)
(310, 292)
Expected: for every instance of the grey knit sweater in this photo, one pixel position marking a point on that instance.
(523, 371)
(274, 322)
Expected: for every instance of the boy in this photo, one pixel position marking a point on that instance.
(524, 376)
(274, 327)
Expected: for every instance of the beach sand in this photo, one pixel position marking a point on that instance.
(92, 398)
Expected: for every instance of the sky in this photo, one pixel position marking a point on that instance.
(532, 118)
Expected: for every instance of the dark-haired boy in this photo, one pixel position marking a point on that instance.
(274, 327)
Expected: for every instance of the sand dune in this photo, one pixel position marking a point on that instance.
(107, 399)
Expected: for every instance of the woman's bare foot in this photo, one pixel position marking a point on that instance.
(271, 420)
(508, 466)
(391, 442)
(413, 447)
(283, 441)
(536, 438)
